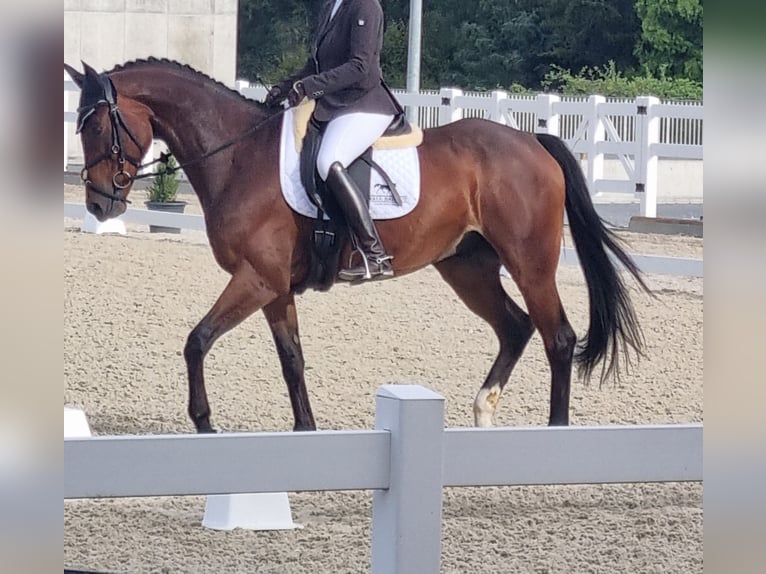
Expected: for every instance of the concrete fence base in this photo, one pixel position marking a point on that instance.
(665, 226)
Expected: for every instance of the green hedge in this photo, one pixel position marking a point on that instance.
(608, 81)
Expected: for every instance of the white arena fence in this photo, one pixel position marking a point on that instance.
(406, 461)
(637, 132)
(679, 266)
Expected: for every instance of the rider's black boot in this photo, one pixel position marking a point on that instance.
(376, 263)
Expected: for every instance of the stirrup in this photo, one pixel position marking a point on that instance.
(363, 271)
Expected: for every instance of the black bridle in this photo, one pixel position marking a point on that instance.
(122, 179)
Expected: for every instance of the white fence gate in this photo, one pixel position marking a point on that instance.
(406, 461)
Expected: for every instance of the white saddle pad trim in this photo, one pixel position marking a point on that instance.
(401, 165)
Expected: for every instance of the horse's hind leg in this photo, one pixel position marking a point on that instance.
(475, 277)
(559, 340)
(242, 297)
(537, 283)
(283, 321)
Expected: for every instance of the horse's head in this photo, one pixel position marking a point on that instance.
(116, 133)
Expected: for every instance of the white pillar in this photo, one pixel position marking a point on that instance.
(406, 518)
(647, 134)
(448, 111)
(413, 55)
(547, 117)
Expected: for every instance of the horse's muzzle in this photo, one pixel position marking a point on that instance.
(102, 212)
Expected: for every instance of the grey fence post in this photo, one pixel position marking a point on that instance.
(406, 518)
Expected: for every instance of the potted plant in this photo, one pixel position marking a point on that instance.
(161, 194)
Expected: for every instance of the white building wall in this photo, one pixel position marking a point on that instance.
(200, 33)
(105, 33)
(678, 181)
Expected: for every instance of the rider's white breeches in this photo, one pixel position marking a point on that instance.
(346, 137)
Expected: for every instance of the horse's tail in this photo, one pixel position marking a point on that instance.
(613, 324)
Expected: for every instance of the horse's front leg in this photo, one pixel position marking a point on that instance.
(243, 296)
(283, 321)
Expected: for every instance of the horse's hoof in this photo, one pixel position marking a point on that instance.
(558, 423)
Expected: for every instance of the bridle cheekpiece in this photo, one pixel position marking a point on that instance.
(98, 90)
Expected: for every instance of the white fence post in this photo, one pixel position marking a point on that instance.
(547, 120)
(70, 116)
(596, 134)
(496, 113)
(647, 134)
(66, 126)
(448, 111)
(252, 91)
(406, 518)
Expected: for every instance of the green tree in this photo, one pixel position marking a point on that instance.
(573, 34)
(671, 37)
(393, 60)
(489, 44)
(273, 37)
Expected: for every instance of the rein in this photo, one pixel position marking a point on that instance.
(164, 157)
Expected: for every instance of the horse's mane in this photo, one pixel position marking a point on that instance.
(185, 68)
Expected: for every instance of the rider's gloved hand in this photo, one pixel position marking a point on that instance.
(296, 94)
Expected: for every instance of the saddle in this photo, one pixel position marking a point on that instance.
(399, 134)
(330, 232)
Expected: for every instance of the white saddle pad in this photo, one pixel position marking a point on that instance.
(401, 165)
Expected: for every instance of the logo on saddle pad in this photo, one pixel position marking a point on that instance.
(382, 193)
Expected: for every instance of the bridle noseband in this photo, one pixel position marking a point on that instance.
(121, 179)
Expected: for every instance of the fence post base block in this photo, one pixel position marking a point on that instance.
(75, 423)
(92, 225)
(257, 511)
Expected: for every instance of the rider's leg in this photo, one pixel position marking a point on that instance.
(345, 139)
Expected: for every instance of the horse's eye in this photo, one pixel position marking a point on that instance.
(94, 128)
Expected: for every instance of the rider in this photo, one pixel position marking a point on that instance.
(344, 76)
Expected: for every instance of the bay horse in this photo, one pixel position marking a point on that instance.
(491, 196)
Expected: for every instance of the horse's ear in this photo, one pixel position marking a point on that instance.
(76, 76)
(89, 71)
